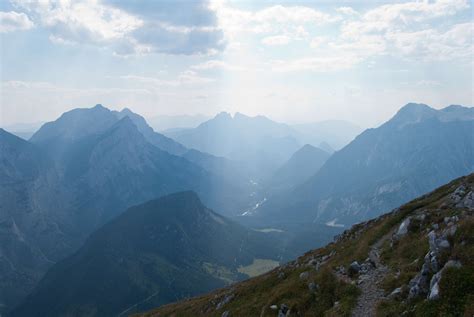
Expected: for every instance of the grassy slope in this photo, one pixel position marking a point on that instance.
(337, 296)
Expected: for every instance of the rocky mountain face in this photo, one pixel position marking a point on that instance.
(31, 226)
(157, 139)
(414, 261)
(154, 253)
(78, 173)
(419, 149)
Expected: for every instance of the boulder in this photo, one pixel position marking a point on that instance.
(432, 240)
(304, 275)
(354, 268)
(284, 311)
(419, 285)
(403, 228)
(434, 283)
(458, 194)
(396, 293)
(467, 202)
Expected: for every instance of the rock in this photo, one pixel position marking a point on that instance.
(452, 263)
(437, 243)
(467, 202)
(432, 240)
(403, 229)
(225, 314)
(274, 307)
(458, 194)
(341, 270)
(434, 283)
(418, 286)
(227, 298)
(313, 287)
(284, 311)
(313, 263)
(435, 226)
(434, 263)
(304, 275)
(434, 292)
(443, 243)
(451, 231)
(354, 268)
(421, 217)
(396, 293)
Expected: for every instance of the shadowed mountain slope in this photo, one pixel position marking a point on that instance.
(154, 253)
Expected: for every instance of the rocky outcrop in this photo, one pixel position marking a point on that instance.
(421, 285)
(435, 280)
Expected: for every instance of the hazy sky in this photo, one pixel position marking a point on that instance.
(293, 61)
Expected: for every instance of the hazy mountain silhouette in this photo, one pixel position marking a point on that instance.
(176, 122)
(335, 133)
(303, 164)
(258, 141)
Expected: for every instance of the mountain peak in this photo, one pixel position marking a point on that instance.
(126, 111)
(75, 124)
(99, 106)
(415, 107)
(223, 116)
(412, 113)
(186, 194)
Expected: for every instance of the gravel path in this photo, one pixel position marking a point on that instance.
(371, 292)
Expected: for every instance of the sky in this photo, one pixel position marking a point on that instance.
(291, 61)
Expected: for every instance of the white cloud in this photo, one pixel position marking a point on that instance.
(317, 41)
(14, 21)
(433, 45)
(216, 64)
(188, 77)
(409, 31)
(276, 40)
(316, 64)
(347, 11)
(293, 14)
(272, 19)
(82, 21)
(127, 27)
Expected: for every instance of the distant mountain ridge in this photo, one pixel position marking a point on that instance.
(257, 141)
(165, 122)
(335, 133)
(303, 164)
(417, 150)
